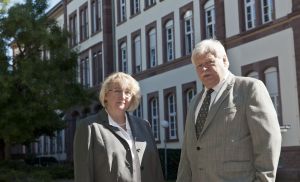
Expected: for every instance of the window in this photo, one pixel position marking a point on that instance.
(188, 92)
(84, 23)
(271, 77)
(170, 111)
(59, 140)
(97, 65)
(253, 74)
(267, 71)
(139, 111)
(135, 6)
(267, 10)
(46, 145)
(210, 19)
(137, 54)
(154, 118)
(96, 15)
(250, 14)
(124, 58)
(188, 32)
(52, 145)
(152, 48)
(85, 72)
(149, 3)
(169, 28)
(172, 117)
(189, 95)
(122, 10)
(40, 145)
(73, 29)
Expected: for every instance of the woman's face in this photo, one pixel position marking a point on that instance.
(118, 98)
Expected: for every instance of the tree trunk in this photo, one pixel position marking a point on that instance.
(7, 150)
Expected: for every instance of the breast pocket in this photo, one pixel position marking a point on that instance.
(230, 113)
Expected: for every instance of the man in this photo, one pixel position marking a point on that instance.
(238, 139)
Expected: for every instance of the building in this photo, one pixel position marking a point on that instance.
(153, 39)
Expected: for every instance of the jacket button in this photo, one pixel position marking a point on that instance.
(198, 148)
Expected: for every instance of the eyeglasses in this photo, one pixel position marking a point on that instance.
(119, 92)
(207, 64)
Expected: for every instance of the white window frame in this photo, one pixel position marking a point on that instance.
(210, 19)
(189, 95)
(154, 118)
(271, 81)
(172, 116)
(253, 74)
(139, 111)
(100, 14)
(124, 63)
(94, 16)
(152, 48)
(122, 10)
(170, 40)
(188, 32)
(136, 6)
(250, 16)
(73, 30)
(150, 2)
(267, 10)
(138, 54)
(85, 72)
(59, 139)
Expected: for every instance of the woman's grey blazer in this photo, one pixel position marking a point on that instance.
(101, 155)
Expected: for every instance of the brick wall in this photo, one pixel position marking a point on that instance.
(289, 165)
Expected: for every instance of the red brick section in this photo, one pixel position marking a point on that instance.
(296, 29)
(108, 59)
(289, 165)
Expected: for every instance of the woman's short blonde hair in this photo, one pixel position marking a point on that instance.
(125, 81)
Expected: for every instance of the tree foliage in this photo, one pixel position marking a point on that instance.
(40, 78)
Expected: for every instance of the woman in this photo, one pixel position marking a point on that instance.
(113, 145)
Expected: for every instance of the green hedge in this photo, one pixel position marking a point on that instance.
(18, 171)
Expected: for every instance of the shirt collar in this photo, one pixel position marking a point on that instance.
(115, 124)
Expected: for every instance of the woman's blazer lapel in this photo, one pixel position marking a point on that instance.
(138, 135)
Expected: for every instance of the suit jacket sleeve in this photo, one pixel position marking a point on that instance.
(82, 153)
(157, 172)
(265, 132)
(184, 169)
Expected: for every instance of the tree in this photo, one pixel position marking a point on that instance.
(41, 77)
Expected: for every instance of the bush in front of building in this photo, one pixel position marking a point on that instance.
(20, 171)
(62, 171)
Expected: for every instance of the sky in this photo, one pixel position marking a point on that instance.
(50, 2)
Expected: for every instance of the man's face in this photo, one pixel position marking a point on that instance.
(210, 69)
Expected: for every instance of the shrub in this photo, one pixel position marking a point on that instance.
(19, 171)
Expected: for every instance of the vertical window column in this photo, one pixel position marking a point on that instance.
(210, 19)
(250, 14)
